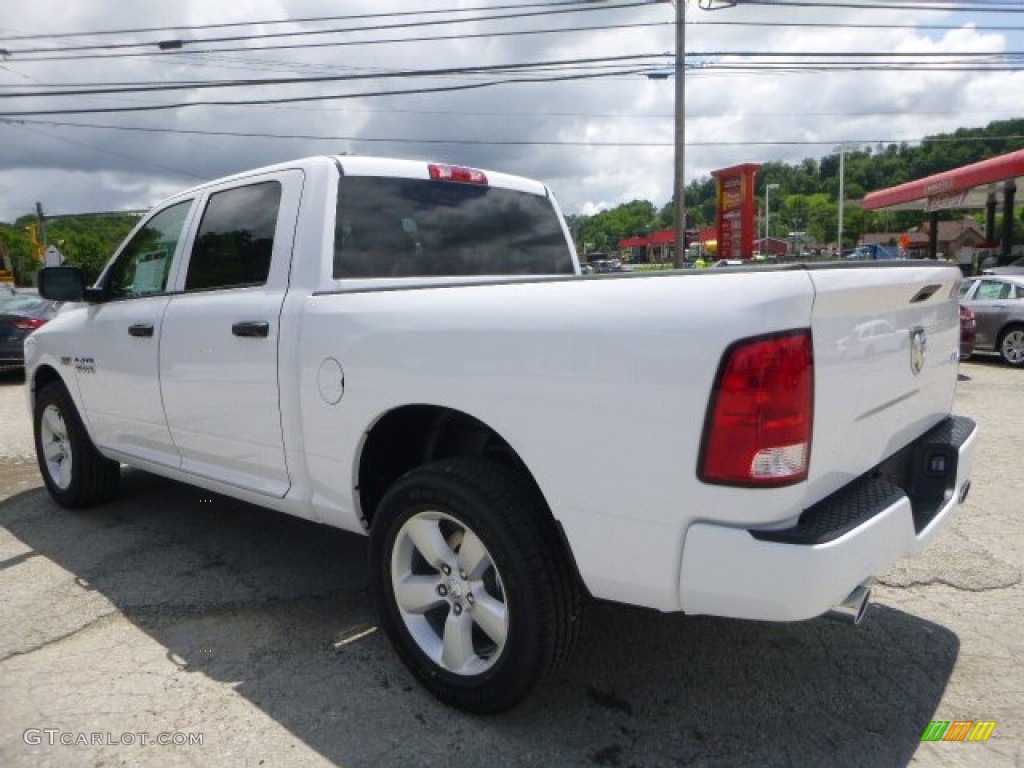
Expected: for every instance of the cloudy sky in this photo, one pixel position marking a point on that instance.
(590, 122)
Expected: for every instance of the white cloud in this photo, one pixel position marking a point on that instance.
(98, 169)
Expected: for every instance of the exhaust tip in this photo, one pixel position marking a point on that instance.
(852, 609)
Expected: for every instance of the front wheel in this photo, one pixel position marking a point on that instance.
(1011, 345)
(75, 473)
(473, 586)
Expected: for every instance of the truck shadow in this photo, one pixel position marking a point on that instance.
(269, 603)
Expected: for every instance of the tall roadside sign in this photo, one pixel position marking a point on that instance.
(735, 215)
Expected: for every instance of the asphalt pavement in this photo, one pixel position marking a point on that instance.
(243, 637)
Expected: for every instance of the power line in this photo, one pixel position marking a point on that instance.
(347, 43)
(500, 142)
(351, 17)
(948, 57)
(855, 25)
(383, 75)
(534, 114)
(177, 43)
(185, 52)
(300, 20)
(646, 70)
(933, 5)
(322, 97)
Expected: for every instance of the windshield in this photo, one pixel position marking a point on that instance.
(391, 227)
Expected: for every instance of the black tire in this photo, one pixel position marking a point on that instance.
(523, 570)
(75, 473)
(1011, 345)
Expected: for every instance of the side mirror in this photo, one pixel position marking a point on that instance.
(63, 284)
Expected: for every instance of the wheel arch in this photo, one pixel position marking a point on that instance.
(43, 375)
(1010, 325)
(411, 436)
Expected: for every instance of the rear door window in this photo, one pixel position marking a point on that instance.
(992, 290)
(236, 238)
(388, 227)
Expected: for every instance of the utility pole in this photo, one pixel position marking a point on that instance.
(680, 139)
(42, 225)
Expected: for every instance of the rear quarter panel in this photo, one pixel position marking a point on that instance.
(600, 385)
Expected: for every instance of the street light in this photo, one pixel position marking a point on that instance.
(842, 197)
(767, 216)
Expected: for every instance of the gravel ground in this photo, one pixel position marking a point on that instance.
(172, 610)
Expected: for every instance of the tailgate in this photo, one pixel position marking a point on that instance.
(886, 342)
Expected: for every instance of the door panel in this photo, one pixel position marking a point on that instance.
(117, 362)
(119, 383)
(219, 342)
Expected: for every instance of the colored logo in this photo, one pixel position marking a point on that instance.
(958, 730)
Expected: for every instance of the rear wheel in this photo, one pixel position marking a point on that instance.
(472, 583)
(75, 473)
(1011, 345)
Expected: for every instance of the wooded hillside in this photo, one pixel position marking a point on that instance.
(808, 193)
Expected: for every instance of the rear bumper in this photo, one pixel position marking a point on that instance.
(848, 538)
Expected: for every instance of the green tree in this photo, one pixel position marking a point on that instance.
(89, 241)
(603, 231)
(19, 251)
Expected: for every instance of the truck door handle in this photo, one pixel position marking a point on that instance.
(251, 329)
(140, 329)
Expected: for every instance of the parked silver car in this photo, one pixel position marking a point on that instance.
(997, 302)
(1013, 268)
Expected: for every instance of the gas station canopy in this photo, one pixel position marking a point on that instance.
(970, 186)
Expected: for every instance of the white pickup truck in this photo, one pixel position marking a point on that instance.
(408, 350)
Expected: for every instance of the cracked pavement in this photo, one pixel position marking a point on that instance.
(174, 610)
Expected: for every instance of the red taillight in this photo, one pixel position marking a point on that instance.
(758, 429)
(28, 323)
(457, 173)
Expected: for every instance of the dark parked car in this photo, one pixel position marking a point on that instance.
(997, 302)
(968, 332)
(20, 314)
